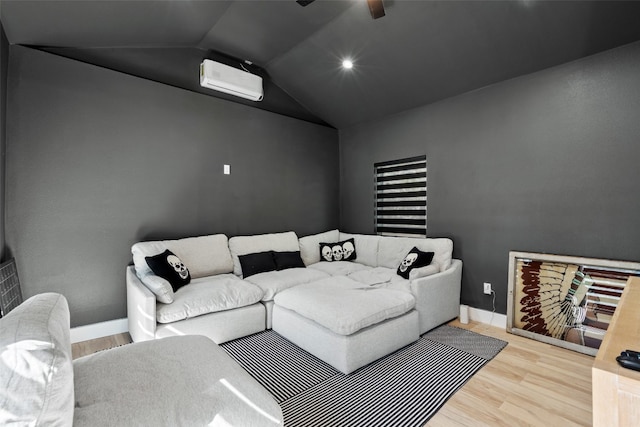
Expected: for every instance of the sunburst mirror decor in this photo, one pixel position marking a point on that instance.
(564, 300)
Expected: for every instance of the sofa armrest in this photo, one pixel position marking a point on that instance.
(141, 308)
(438, 296)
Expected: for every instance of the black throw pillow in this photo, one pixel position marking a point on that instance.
(259, 262)
(326, 253)
(286, 260)
(168, 266)
(339, 251)
(414, 259)
(348, 249)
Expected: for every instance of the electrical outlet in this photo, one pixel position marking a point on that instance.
(487, 288)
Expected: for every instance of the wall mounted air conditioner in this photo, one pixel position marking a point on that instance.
(220, 77)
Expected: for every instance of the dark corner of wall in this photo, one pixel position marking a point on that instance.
(4, 66)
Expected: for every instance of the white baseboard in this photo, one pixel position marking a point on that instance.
(99, 330)
(485, 316)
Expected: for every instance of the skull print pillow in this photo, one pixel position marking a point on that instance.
(168, 266)
(339, 251)
(414, 259)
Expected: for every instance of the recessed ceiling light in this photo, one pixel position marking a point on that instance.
(347, 64)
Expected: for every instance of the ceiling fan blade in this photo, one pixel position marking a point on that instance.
(376, 8)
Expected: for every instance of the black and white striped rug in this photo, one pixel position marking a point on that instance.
(403, 389)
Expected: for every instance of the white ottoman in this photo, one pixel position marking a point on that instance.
(345, 323)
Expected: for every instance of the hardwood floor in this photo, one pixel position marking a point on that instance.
(528, 384)
(85, 348)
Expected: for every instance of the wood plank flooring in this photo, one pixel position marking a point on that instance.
(528, 384)
(85, 348)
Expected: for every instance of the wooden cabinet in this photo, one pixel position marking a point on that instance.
(616, 390)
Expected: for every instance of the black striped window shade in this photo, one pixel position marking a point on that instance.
(401, 197)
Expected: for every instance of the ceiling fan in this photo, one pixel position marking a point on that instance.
(375, 7)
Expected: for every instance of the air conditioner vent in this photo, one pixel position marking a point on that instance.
(223, 78)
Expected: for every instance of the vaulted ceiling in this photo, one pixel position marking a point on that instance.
(419, 53)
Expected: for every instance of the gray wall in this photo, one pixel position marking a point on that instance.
(543, 163)
(4, 66)
(97, 160)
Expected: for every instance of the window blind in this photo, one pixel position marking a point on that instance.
(401, 197)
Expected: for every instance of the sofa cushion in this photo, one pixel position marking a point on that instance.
(186, 380)
(273, 282)
(160, 287)
(414, 259)
(392, 250)
(169, 267)
(258, 262)
(309, 245)
(428, 270)
(203, 256)
(367, 247)
(208, 295)
(243, 245)
(344, 306)
(338, 268)
(285, 260)
(379, 275)
(36, 372)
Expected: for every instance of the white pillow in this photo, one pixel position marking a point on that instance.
(160, 287)
(310, 245)
(36, 369)
(366, 247)
(203, 255)
(425, 271)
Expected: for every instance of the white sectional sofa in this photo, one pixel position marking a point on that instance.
(348, 313)
(175, 381)
(217, 303)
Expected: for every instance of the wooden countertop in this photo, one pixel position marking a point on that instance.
(616, 390)
(623, 333)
